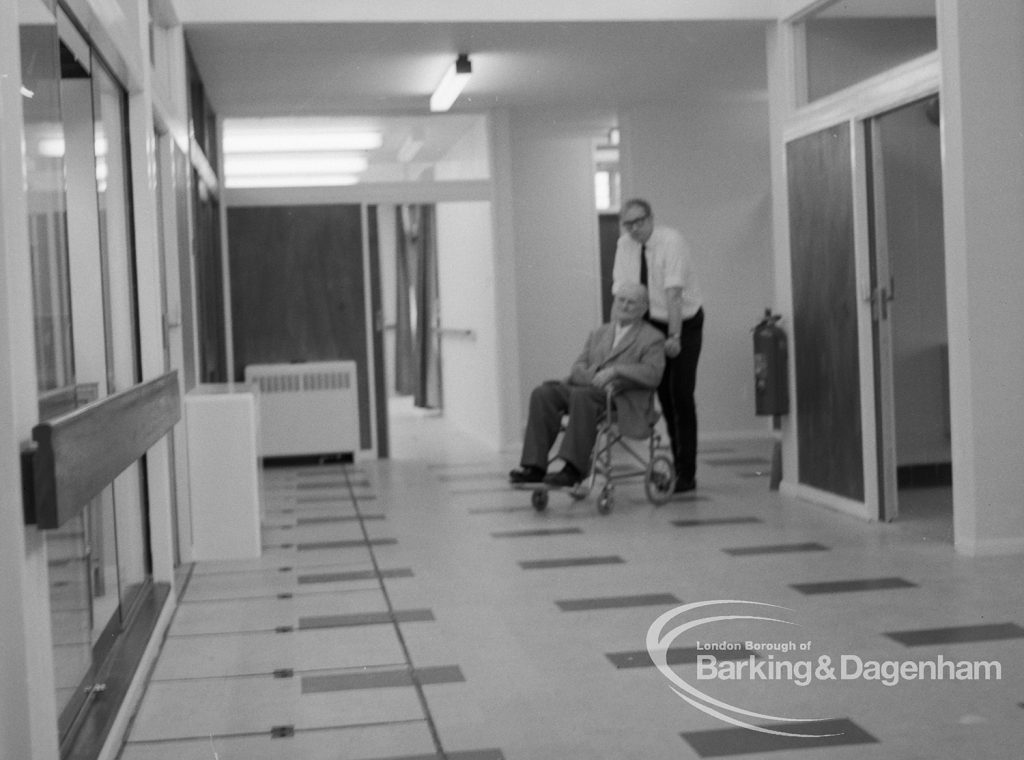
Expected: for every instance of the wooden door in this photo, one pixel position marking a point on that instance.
(297, 290)
(825, 309)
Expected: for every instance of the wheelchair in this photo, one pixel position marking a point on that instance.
(645, 458)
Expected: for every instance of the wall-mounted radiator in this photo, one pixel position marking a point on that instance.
(310, 408)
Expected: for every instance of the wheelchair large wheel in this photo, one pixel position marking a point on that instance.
(539, 499)
(660, 479)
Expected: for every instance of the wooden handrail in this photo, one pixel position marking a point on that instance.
(78, 454)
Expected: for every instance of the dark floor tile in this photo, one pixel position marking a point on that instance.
(963, 634)
(641, 658)
(473, 754)
(550, 564)
(726, 742)
(616, 602)
(535, 532)
(338, 519)
(355, 575)
(341, 497)
(348, 544)
(678, 498)
(498, 510)
(737, 461)
(472, 476)
(864, 584)
(699, 522)
(365, 618)
(743, 551)
(382, 679)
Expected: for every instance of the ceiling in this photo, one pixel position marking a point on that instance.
(273, 69)
(382, 74)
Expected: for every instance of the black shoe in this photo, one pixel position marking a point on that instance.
(685, 486)
(566, 478)
(527, 474)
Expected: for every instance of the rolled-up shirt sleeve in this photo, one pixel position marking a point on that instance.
(676, 261)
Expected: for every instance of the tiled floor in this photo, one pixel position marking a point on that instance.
(419, 608)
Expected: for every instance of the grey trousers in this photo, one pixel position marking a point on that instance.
(585, 406)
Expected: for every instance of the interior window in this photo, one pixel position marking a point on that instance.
(852, 40)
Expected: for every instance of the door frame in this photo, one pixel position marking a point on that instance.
(857, 106)
(879, 297)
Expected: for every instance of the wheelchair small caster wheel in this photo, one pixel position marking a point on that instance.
(605, 501)
(660, 480)
(540, 499)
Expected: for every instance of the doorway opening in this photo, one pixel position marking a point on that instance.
(909, 317)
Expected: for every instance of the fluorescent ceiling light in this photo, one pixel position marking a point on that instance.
(53, 147)
(294, 180)
(296, 138)
(454, 79)
(294, 163)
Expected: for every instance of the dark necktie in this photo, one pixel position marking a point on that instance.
(643, 271)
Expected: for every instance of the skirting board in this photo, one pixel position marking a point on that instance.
(991, 547)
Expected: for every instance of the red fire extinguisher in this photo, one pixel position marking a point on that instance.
(771, 394)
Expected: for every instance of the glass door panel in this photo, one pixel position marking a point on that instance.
(79, 213)
(47, 205)
(129, 542)
(70, 608)
(112, 197)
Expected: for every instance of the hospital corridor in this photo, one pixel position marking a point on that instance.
(420, 608)
(322, 325)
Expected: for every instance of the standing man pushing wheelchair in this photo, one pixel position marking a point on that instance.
(659, 257)
(626, 354)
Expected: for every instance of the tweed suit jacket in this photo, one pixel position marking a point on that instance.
(640, 353)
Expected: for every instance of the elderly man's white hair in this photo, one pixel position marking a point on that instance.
(632, 290)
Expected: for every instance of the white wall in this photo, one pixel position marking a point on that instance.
(557, 256)
(705, 168)
(983, 194)
(469, 366)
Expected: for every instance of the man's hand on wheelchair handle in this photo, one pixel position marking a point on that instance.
(604, 378)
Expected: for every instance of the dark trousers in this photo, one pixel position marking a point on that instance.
(585, 406)
(675, 394)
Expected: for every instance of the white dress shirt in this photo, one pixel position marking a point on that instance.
(669, 265)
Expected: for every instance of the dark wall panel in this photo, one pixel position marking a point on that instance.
(825, 313)
(297, 289)
(213, 352)
(608, 231)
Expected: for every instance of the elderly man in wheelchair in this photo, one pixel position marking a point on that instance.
(609, 394)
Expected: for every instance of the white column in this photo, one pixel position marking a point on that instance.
(982, 47)
(28, 713)
(149, 268)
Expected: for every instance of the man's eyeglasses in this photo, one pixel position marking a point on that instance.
(632, 224)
